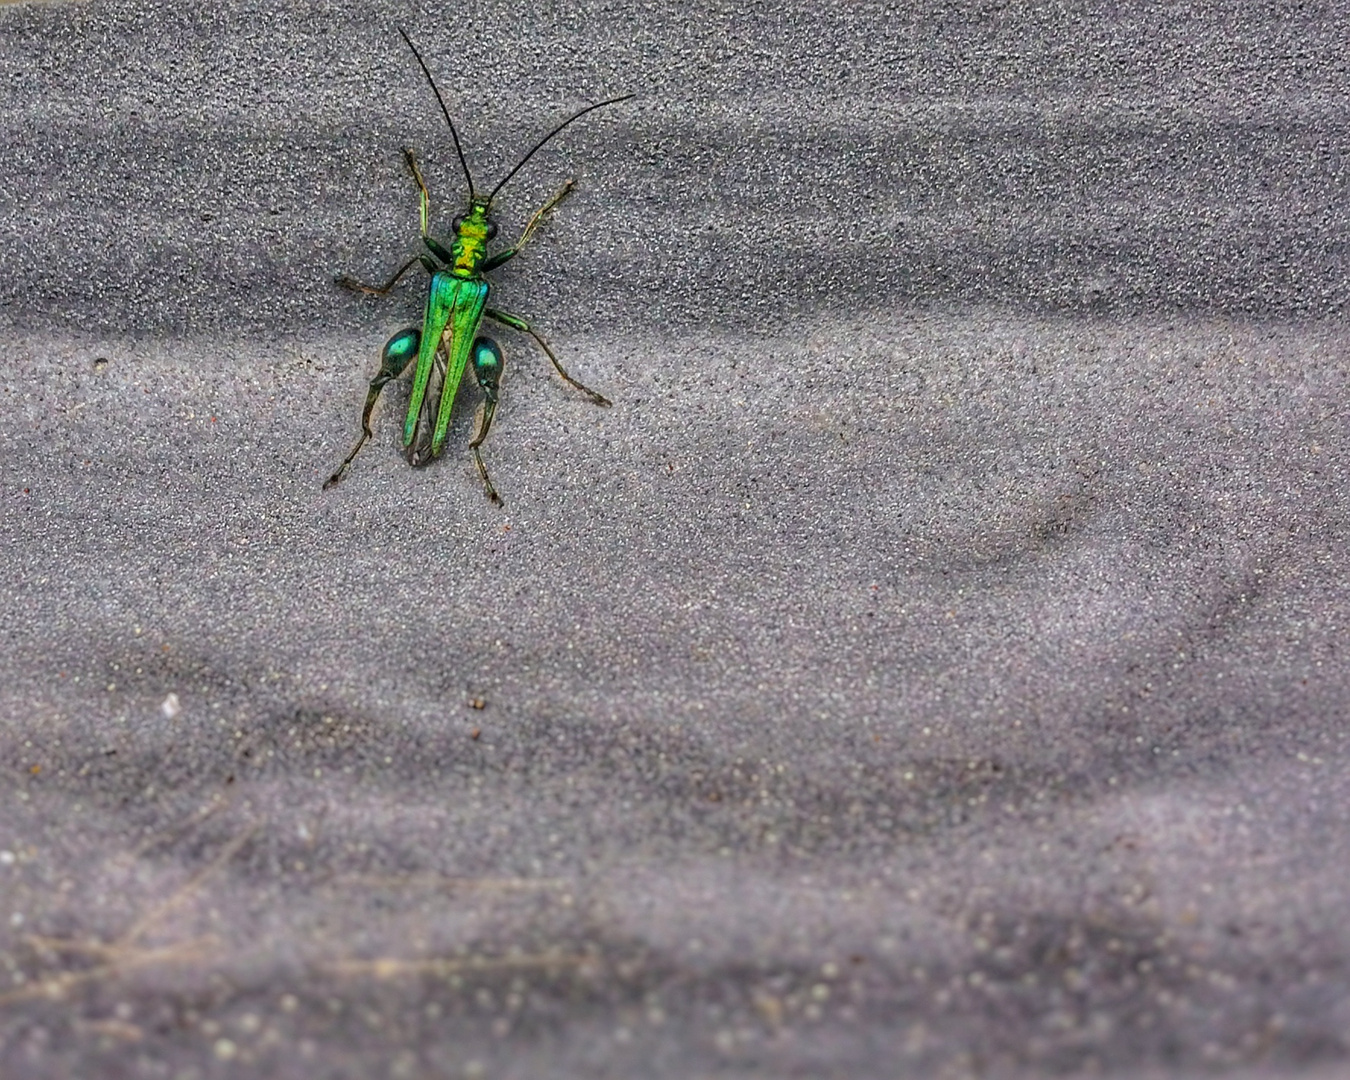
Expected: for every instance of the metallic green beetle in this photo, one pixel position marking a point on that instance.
(448, 340)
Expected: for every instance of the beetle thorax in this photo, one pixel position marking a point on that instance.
(472, 233)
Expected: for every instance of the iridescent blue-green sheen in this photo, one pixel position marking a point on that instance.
(487, 361)
(400, 349)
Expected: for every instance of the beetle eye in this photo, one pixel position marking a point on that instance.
(459, 220)
(491, 230)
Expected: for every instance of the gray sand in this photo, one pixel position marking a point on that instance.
(934, 663)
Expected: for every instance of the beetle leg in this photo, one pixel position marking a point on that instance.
(399, 351)
(510, 253)
(436, 249)
(421, 185)
(517, 323)
(383, 290)
(487, 368)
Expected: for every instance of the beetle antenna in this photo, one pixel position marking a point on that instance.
(453, 133)
(540, 143)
